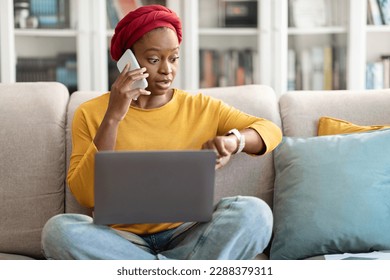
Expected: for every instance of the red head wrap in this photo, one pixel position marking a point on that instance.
(140, 21)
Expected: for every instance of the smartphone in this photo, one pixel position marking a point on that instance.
(127, 57)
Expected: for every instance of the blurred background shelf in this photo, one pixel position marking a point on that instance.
(225, 42)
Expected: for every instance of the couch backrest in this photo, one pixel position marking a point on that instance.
(32, 162)
(301, 110)
(244, 175)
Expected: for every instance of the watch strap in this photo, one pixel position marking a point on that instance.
(241, 139)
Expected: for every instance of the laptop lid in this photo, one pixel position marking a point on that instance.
(154, 186)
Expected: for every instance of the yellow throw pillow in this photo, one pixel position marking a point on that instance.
(332, 126)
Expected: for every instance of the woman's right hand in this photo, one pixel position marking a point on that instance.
(121, 93)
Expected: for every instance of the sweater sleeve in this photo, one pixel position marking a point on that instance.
(233, 118)
(81, 168)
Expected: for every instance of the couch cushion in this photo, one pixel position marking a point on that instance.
(332, 195)
(32, 162)
(245, 175)
(300, 111)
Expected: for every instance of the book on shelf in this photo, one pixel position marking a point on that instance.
(378, 73)
(305, 70)
(317, 68)
(328, 68)
(291, 73)
(50, 13)
(384, 7)
(227, 67)
(339, 57)
(62, 68)
(374, 16)
(386, 70)
(336, 12)
(374, 75)
(66, 71)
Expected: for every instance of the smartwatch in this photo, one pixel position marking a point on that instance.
(240, 137)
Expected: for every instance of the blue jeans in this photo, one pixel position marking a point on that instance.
(240, 228)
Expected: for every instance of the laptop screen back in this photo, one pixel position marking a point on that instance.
(154, 186)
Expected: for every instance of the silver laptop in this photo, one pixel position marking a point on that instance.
(154, 186)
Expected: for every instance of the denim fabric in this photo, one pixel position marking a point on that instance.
(239, 229)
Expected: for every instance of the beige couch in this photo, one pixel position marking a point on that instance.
(35, 121)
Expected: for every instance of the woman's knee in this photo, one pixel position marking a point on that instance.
(63, 222)
(60, 229)
(250, 211)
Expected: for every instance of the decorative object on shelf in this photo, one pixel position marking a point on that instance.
(238, 13)
(308, 13)
(21, 13)
(31, 22)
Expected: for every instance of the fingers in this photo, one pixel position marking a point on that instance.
(123, 84)
(139, 92)
(133, 75)
(218, 144)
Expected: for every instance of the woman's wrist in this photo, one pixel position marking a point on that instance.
(240, 140)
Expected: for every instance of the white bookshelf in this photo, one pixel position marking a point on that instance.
(202, 31)
(7, 40)
(46, 42)
(363, 42)
(89, 38)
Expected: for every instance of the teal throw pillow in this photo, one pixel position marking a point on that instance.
(332, 195)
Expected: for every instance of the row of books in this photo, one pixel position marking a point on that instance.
(62, 68)
(220, 68)
(378, 12)
(46, 13)
(378, 73)
(117, 9)
(317, 68)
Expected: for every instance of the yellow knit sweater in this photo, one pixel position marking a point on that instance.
(184, 123)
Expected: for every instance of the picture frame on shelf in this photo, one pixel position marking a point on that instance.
(238, 13)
